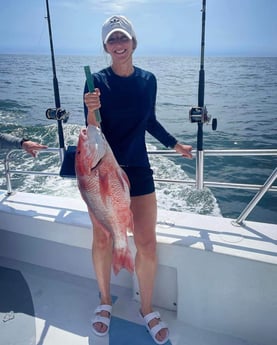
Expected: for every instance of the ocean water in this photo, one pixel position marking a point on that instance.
(240, 92)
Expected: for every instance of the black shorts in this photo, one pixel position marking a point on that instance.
(141, 180)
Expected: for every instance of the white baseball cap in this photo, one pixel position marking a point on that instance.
(117, 23)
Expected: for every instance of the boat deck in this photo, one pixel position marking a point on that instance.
(216, 282)
(59, 306)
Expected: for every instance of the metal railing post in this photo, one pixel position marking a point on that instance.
(8, 175)
(199, 169)
(268, 183)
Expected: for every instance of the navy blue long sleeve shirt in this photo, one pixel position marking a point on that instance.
(127, 112)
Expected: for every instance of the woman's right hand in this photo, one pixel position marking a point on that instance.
(92, 101)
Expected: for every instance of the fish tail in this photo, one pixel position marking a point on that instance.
(122, 258)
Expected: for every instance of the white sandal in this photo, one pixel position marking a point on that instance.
(102, 319)
(155, 329)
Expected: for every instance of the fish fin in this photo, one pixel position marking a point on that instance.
(122, 176)
(97, 223)
(125, 176)
(122, 259)
(130, 227)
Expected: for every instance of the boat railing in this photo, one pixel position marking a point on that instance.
(199, 182)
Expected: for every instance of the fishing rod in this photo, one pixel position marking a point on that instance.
(199, 114)
(56, 113)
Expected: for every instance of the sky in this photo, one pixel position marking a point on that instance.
(163, 27)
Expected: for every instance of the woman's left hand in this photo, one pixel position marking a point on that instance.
(184, 150)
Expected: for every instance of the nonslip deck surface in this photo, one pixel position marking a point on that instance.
(47, 307)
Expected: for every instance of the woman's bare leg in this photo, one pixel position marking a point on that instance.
(102, 259)
(144, 210)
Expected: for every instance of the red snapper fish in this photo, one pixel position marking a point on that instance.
(104, 186)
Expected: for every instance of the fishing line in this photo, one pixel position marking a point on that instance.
(42, 31)
(37, 44)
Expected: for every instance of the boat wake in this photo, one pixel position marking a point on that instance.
(170, 196)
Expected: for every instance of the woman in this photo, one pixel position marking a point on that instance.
(126, 97)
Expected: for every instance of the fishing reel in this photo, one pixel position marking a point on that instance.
(200, 115)
(57, 114)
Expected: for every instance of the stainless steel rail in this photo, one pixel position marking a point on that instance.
(256, 152)
(256, 198)
(200, 169)
(199, 182)
(9, 171)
